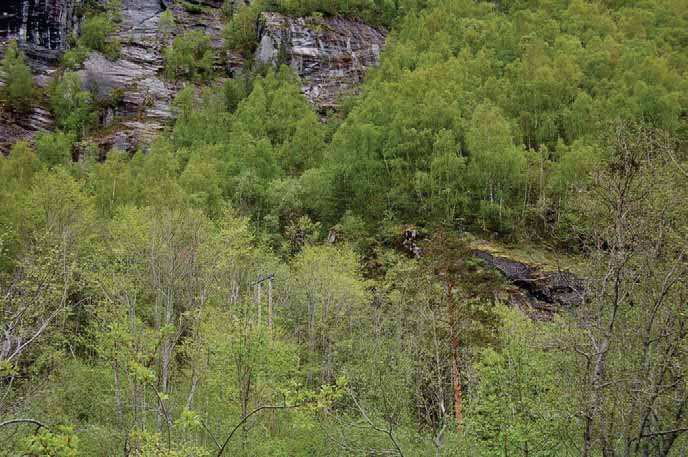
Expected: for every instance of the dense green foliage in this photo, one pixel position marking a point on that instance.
(521, 98)
(190, 56)
(54, 148)
(239, 288)
(73, 107)
(18, 91)
(100, 21)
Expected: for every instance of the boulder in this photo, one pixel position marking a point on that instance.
(537, 291)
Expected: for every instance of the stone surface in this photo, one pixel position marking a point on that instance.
(539, 291)
(536, 291)
(41, 28)
(145, 109)
(331, 55)
(39, 24)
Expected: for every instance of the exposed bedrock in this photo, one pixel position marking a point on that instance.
(537, 291)
(41, 28)
(331, 55)
(40, 25)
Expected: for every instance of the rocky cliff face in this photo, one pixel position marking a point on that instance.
(537, 292)
(330, 55)
(41, 27)
(39, 24)
(145, 106)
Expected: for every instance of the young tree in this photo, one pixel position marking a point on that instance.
(633, 328)
(19, 89)
(55, 148)
(73, 107)
(190, 56)
(468, 290)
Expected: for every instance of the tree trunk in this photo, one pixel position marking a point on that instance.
(456, 372)
(270, 304)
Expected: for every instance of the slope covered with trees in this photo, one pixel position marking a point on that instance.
(239, 288)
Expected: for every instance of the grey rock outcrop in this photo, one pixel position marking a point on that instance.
(145, 109)
(145, 104)
(538, 292)
(41, 28)
(331, 55)
(40, 25)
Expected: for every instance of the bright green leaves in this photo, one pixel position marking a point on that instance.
(73, 107)
(240, 33)
(518, 403)
(495, 166)
(18, 91)
(95, 33)
(237, 144)
(48, 444)
(329, 304)
(141, 373)
(189, 420)
(202, 183)
(190, 56)
(55, 148)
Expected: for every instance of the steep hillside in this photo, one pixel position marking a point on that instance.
(343, 228)
(330, 55)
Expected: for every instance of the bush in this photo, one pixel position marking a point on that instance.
(94, 32)
(46, 443)
(240, 34)
(235, 91)
(74, 108)
(73, 58)
(190, 56)
(94, 36)
(19, 90)
(54, 148)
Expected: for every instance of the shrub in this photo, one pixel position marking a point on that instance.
(74, 108)
(19, 89)
(190, 56)
(94, 36)
(54, 148)
(240, 33)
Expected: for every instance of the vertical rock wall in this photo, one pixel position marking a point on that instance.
(331, 55)
(37, 23)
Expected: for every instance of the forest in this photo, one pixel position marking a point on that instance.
(245, 285)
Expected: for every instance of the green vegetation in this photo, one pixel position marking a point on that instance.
(73, 107)
(242, 288)
(55, 148)
(97, 29)
(18, 91)
(95, 33)
(240, 33)
(190, 56)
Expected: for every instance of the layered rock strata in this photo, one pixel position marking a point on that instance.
(331, 55)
